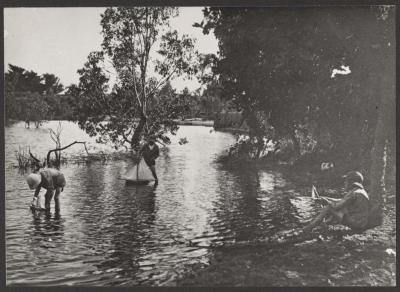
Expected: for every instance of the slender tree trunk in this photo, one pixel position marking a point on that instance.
(256, 130)
(376, 174)
(260, 146)
(138, 132)
(377, 170)
(58, 150)
(295, 141)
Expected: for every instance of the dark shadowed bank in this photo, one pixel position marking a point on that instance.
(357, 260)
(334, 257)
(360, 260)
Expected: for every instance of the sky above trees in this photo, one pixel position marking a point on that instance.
(58, 40)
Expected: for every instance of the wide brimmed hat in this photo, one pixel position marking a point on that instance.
(354, 176)
(33, 180)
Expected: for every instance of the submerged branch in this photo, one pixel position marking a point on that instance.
(33, 157)
(60, 149)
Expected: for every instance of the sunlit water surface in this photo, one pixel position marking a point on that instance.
(109, 233)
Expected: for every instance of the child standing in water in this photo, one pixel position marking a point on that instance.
(52, 180)
(150, 152)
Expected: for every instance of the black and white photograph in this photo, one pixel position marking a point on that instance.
(200, 146)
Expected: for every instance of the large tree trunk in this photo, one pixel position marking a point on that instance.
(384, 120)
(376, 173)
(138, 132)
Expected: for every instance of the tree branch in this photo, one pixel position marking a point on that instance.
(38, 164)
(60, 149)
(124, 136)
(162, 82)
(33, 157)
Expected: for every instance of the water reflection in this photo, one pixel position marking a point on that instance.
(47, 227)
(131, 230)
(252, 204)
(110, 233)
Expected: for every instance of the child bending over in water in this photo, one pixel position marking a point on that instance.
(52, 180)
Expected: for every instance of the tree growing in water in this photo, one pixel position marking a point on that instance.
(136, 41)
(27, 94)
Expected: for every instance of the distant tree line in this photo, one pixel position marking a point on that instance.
(33, 97)
(204, 104)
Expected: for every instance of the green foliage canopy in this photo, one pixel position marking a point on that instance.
(135, 41)
(276, 64)
(33, 97)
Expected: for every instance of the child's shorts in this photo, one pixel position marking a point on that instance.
(59, 181)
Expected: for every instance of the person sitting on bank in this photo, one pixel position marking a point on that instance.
(150, 152)
(52, 180)
(351, 211)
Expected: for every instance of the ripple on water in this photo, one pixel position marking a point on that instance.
(112, 234)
